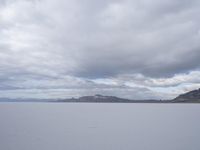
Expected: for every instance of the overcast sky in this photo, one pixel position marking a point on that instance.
(139, 49)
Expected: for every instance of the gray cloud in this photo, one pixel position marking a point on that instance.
(48, 44)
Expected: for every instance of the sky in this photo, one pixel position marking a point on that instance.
(138, 49)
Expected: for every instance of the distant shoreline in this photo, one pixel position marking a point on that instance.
(189, 97)
(125, 102)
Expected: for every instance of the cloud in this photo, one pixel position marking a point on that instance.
(75, 45)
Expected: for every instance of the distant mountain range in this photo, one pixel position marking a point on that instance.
(105, 99)
(189, 97)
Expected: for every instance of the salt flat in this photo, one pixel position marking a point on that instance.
(91, 126)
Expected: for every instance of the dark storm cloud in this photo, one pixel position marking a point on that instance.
(166, 45)
(52, 44)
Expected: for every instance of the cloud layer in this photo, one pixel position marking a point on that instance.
(137, 49)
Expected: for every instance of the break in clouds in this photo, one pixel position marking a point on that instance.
(139, 49)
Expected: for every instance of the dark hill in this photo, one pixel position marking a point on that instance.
(189, 97)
